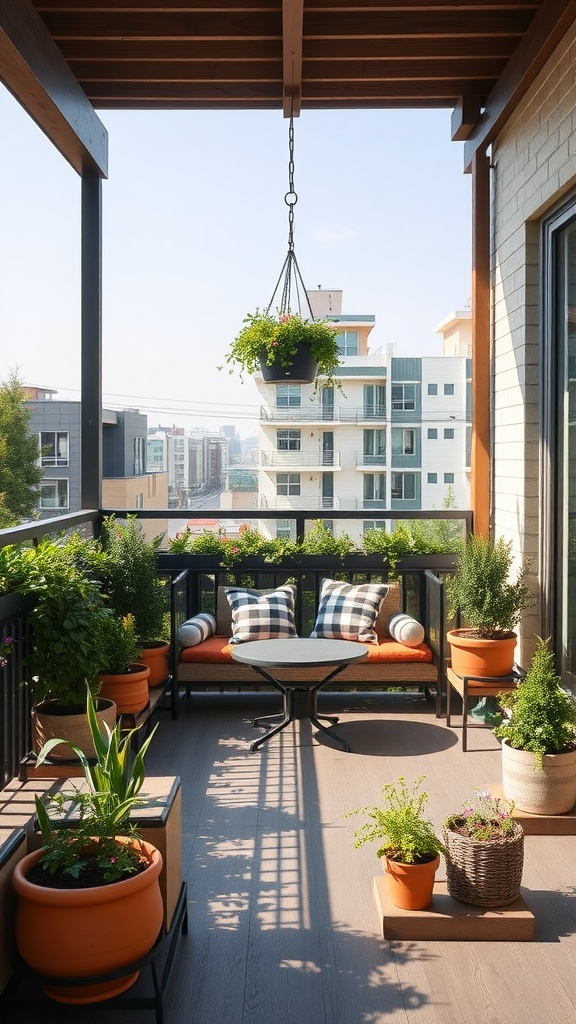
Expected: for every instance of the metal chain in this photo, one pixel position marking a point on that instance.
(290, 271)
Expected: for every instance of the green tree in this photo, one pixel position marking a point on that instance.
(20, 474)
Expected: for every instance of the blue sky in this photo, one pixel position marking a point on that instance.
(195, 235)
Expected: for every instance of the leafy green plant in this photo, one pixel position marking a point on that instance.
(488, 818)
(481, 588)
(542, 714)
(92, 852)
(408, 837)
(276, 338)
(392, 546)
(131, 578)
(320, 541)
(121, 645)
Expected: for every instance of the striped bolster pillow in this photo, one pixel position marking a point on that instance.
(197, 629)
(405, 630)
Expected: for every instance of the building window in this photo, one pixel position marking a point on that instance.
(139, 468)
(139, 500)
(288, 396)
(448, 478)
(373, 524)
(432, 478)
(403, 397)
(449, 389)
(403, 441)
(374, 449)
(328, 525)
(448, 433)
(432, 389)
(374, 487)
(374, 401)
(403, 486)
(347, 343)
(285, 529)
(432, 433)
(288, 440)
(54, 494)
(288, 484)
(54, 447)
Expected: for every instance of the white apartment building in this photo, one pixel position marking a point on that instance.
(196, 460)
(397, 438)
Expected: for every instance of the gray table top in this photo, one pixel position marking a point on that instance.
(299, 652)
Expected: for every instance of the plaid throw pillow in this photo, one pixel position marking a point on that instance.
(257, 616)
(348, 612)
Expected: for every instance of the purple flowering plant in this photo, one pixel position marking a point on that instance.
(489, 817)
(6, 643)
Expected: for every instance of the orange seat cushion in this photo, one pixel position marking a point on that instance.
(216, 650)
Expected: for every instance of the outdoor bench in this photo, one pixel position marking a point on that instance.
(209, 664)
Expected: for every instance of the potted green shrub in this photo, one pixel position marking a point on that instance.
(68, 622)
(134, 587)
(97, 880)
(123, 679)
(409, 847)
(484, 852)
(491, 602)
(539, 739)
(287, 349)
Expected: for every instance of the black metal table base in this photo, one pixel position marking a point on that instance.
(11, 1001)
(298, 702)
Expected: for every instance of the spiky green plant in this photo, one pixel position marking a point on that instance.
(542, 714)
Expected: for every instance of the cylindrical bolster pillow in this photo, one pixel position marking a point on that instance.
(405, 630)
(197, 629)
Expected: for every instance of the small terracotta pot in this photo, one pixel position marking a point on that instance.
(129, 691)
(74, 729)
(75, 933)
(472, 657)
(156, 655)
(410, 886)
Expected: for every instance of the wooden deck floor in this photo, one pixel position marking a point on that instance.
(283, 927)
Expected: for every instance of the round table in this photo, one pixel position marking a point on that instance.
(299, 698)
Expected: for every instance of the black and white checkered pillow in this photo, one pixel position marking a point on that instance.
(348, 612)
(257, 616)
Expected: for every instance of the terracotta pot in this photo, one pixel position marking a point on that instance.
(47, 725)
(410, 886)
(156, 655)
(471, 657)
(302, 369)
(75, 933)
(129, 691)
(550, 791)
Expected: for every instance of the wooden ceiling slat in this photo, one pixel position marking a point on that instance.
(337, 71)
(292, 21)
(314, 49)
(209, 6)
(315, 91)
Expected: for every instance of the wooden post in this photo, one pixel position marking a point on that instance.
(480, 455)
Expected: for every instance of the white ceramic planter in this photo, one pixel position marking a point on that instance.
(550, 791)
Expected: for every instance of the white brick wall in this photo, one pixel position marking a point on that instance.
(534, 161)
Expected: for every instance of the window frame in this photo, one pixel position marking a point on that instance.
(54, 482)
(289, 447)
(292, 481)
(54, 461)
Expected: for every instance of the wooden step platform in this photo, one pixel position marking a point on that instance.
(449, 919)
(541, 824)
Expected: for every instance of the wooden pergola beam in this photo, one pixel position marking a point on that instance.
(545, 33)
(292, 27)
(480, 452)
(33, 69)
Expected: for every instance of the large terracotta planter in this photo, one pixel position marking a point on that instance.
(74, 729)
(302, 369)
(156, 655)
(129, 691)
(410, 886)
(549, 791)
(472, 657)
(75, 933)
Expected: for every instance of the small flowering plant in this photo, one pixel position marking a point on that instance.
(275, 338)
(6, 644)
(489, 817)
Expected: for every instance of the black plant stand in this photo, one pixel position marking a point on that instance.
(158, 960)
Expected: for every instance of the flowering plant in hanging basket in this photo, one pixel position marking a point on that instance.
(268, 340)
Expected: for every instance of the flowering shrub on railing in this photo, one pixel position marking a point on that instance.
(6, 644)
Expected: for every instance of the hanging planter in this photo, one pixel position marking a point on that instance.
(288, 347)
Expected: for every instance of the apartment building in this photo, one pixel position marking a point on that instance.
(125, 481)
(195, 461)
(396, 437)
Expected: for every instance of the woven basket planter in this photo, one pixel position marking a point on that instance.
(485, 873)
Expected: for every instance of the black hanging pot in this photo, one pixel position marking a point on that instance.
(302, 369)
